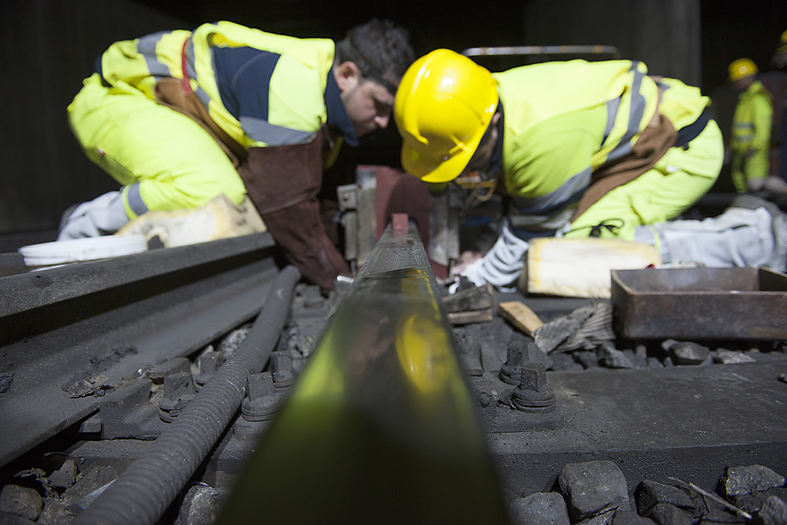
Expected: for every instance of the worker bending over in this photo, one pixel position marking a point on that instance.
(779, 61)
(751, 128)
(582, 149)
(180, 117)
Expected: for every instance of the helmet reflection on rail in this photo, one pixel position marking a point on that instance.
(422, 343)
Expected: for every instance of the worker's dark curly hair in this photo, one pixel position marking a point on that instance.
(378, 45)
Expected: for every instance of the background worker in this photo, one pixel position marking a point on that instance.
(779, 61)
(181, 117)
(751, 128)
(582, 149)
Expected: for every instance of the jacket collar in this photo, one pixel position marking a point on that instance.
(338, 118)
(497, 154)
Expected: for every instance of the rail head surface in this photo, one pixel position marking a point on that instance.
(45, 287)
(381, 422)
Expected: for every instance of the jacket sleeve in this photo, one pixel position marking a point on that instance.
(283, 182)
(762, 115)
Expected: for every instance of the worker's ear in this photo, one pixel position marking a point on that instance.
(347, 76)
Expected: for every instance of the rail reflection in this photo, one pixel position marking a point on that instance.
(381, 426)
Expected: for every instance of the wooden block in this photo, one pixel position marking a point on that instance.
(473, 316)
(477, 298)
(519, 315)
(581, 267)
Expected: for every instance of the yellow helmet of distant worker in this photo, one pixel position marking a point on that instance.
(444, 105)
(782, 43)
(742, 68)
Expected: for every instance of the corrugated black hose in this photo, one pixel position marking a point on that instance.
(151, 483)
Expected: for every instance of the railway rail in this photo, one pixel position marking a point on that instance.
(364, 403)
(69, 334)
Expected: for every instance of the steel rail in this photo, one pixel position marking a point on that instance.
(542, 50)
(381, 427)
(68, 334)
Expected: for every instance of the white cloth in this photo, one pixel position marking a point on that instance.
(502, 264)
(104, 215)
(738, 237)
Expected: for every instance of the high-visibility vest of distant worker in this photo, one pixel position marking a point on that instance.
(751, 127)
(779, 61)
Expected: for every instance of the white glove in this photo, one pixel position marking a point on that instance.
(502, 264)
(104, 215)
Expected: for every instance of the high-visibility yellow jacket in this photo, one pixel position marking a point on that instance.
(262, 89)
(565, 120)
(272, 95)
(752, 120)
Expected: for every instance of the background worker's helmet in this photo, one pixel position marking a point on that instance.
(444, 105)
(782, 43)
(742, 68)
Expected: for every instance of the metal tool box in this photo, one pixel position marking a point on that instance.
(700, 303)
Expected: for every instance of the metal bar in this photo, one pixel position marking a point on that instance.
(144, 274)
(381, 426)
(149, 485)
(542, 50)
(106, 321)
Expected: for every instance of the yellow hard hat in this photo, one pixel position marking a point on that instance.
(443, 106)
(782, 43)
(742, 68)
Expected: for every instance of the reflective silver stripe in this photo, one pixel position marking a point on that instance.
(534, 224)
(192, 73)
(135, 199)
(635, 116)
(743, 132)
(146, 46)
(272, 135)
(566, 194)
(204, 98)
(612, 113)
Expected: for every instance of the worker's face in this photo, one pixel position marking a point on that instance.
(742, 84)
(369, 105)
(780, 60)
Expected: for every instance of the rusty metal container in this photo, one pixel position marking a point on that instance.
(700, 303)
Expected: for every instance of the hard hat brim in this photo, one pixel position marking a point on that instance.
(436, 170)
(740, 77)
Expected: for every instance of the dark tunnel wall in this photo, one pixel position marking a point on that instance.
(665, 34)
(48, 47)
